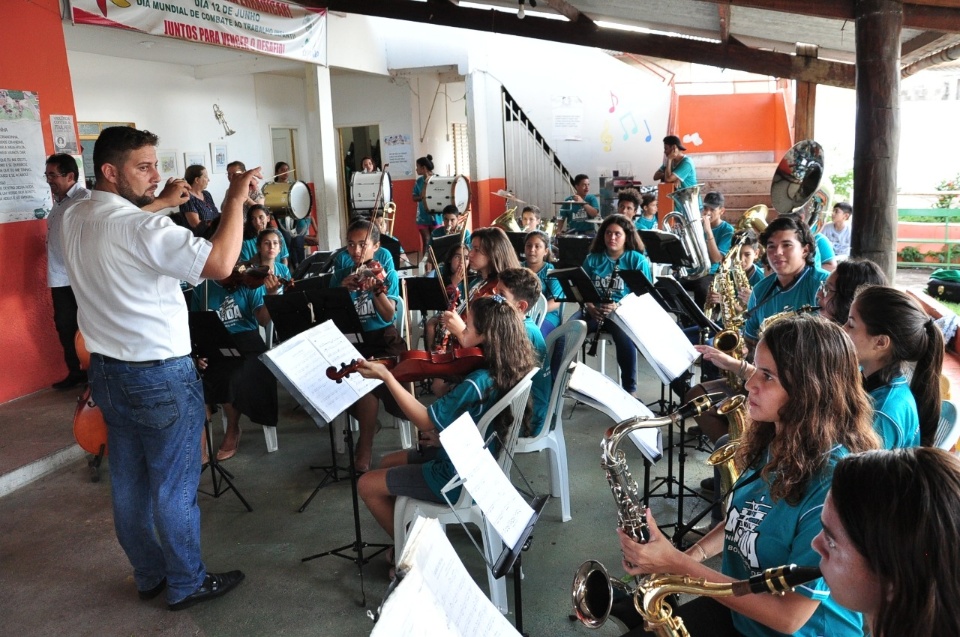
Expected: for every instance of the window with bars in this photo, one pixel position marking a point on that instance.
(461, 150)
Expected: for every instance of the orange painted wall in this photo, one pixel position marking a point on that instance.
(735, 123)
(31, 32)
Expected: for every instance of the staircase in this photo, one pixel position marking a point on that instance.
(743, 178)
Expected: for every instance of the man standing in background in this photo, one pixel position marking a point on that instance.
(62, 174)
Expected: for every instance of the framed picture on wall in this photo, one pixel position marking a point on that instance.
(194, 158)
(168, 163)
(219, 154)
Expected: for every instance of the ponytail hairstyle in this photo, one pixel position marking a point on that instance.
(494, 243)
(914, 337)
(506, 348)
(426, 162)
(901, 510)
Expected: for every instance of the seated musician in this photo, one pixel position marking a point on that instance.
(885, 516)
(521, 288)
(258, 220)
(529, 219)
(371, 296)
(793, 284)
(574, 217)
(490, 254)
(536, 250)
(616, 247)
(786, 457)
(498, 330)
(269, 244)
(251, 388)
(647, 217)
(892, 335)
(343, 260)
(451, 225)
(451, 272)
(628, 204)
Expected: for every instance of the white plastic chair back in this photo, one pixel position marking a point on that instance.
(539, 311)
(948, 429)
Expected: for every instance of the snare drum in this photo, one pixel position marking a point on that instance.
(364, 188)
(291, 198)
(443, 191)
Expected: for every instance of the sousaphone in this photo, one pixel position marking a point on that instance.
(798, 178)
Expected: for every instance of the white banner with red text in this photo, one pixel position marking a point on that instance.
(269, 27)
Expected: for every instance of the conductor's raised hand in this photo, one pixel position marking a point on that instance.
(242, 184)
(658, 555)
(175, 192)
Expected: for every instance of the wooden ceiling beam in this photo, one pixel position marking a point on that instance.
(932, 15)
(723, 12)
(565, 9)
(731, 56)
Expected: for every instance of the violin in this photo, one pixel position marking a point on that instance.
(349, 368)
(416, 365)
(250, 276)
(369, 277)
(89, 427)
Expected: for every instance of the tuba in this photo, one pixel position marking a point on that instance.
(592, 590)
(689, 228)
(507, 221)
(658, 615)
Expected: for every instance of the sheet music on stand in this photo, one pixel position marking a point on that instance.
(300, 364)
(480, 474)
(656, 335)
(436, 595)
(600, 392)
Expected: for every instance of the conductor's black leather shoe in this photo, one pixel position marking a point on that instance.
(153, 592)
(215, 585)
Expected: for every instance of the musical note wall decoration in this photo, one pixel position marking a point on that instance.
(629, 128)
(649, 136)
(606, 139)
(614, 100)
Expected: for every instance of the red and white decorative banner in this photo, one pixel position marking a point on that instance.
(269, 27)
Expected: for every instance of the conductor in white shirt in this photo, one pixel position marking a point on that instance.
(125, 266)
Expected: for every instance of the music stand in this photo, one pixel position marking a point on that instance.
(296, 313)
(442, 245)
(666, 247)
(577, 286)
(210, 339)
(573, 250)
(319, 282)
(510, 559)
(519, 241)
(391, 245)
(314, 265)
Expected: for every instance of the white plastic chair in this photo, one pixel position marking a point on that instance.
(538, 311)
(948, 429)
(407, 509)
(550, 437)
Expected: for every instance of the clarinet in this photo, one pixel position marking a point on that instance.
(608, 297)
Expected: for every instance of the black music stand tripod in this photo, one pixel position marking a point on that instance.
(211, 341)
(354, 550)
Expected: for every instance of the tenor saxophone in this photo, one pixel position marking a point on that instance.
(658, 615)
(592, 590)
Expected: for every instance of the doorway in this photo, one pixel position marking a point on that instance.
(284, 141)
(356, 142)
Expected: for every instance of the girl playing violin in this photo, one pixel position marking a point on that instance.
(371, 287)
(490, 254)
(269, 244)
(498, 329)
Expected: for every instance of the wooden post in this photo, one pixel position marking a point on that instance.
(877, 142)
(804, 118)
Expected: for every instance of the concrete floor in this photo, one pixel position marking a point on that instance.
(63, 573)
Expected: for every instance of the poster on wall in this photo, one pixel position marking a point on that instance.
(399, 154)
(567, 117)
(268, 27)
(64, 134)
(24, 193)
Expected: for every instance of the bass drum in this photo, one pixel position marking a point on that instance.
(288, 199)
(443, 191)
(364, 188)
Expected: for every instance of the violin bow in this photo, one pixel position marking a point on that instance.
(463, 263)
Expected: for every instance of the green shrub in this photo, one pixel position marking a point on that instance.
(911, 255)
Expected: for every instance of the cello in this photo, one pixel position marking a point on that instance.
(89, 427)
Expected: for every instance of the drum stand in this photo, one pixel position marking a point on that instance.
(218, 474)
(353, 551)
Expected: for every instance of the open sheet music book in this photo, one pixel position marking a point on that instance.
(600, 392)
(436, 595)
(656, 335)
(484, 479)
(300, 364)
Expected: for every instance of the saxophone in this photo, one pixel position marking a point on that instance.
(729, 280)
(592, 590)
(723, 457)
(658, 615)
